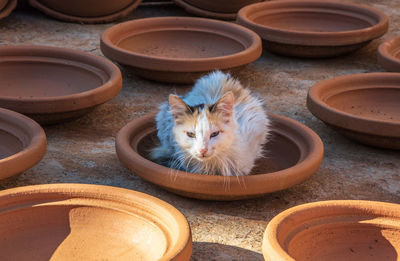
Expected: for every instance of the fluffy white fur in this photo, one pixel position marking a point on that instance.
(227, 124)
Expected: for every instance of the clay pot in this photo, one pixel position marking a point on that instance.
(6, 7)
(179, 49)
(22, 143)
(349, 230)
(90, 222)
(313, 28)
(220, 9)
(294, 153)
(87, 11)
(363, 107)
(389, 54)
(52, 84)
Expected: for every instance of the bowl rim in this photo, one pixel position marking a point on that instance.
(131, 200)
(109, 89)
(270, 243)
(10, 6)
(311, 38)
(204, 12)
(249, 54)
(213, 185)
(324, 112)
(91, 20)
(32, 152)
(384, 53)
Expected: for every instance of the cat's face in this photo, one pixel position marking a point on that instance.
(203, 130)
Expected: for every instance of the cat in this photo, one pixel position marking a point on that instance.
(217, 128)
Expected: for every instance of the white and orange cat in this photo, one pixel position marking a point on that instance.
(217, 128)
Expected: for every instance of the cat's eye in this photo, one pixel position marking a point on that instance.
(214, 134)
(191, 134)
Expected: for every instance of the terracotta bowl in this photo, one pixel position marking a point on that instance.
(179, 49)
(349, 230)
(52, 84)
(219, 9)
(363, 107)
(389, 54)
(86, 11)
(6, 7)
(313, 28)
(294, 153)
(90, 222)
(22, 143)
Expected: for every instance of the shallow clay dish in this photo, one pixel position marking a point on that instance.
(294, 153)
(220, 9)
(90, 222)
(313, 28)
(22, 143)
(6, 7)
(349, 230)
(389, 54)
(179, 49)
(364, 107)
(86, 11)
(52, 84)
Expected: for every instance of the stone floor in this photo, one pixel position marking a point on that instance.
(83, 151)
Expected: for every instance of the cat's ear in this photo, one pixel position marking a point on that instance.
(178, 106)
(225, 105)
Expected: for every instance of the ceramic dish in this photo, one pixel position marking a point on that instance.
(389, 54)
(86, 11)
(179, 49)
(22, 143)
(52, 84)
(364, 107)
(90, 222)
(294, 153)
(6, 7)
(313, 28)
(349, 230)
(220, 9)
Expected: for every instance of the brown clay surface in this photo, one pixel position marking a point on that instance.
(6, 7)
(389, 54)
(82, 151)
(222, 6)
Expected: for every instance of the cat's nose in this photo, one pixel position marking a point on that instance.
(203, 151)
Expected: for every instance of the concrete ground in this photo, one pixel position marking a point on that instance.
(82, 151)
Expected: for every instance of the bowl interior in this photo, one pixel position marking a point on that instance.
(370, 103)
(181, 44)
(79, 230)
(281, 152)
(9, 144)
(362, 239)
(47, 77)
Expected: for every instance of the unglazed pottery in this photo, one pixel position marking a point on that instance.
(313, 28)
(220, 9)
(364, 107)
(293, 154)
(86, 11)
(22, 143)
(180, 49)
(389, 54)
(89, 222)
(350, 230)
(6, 7)
(52, 84)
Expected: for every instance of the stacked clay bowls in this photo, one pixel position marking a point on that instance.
(22, 143)
(389, 54)
(349, 230)
(219, 9)
(364, 107)
(52, 84)
(6, 7)
(90, 222)
(313, 28)
(293, 154)
(179, 49)
(86, 11)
